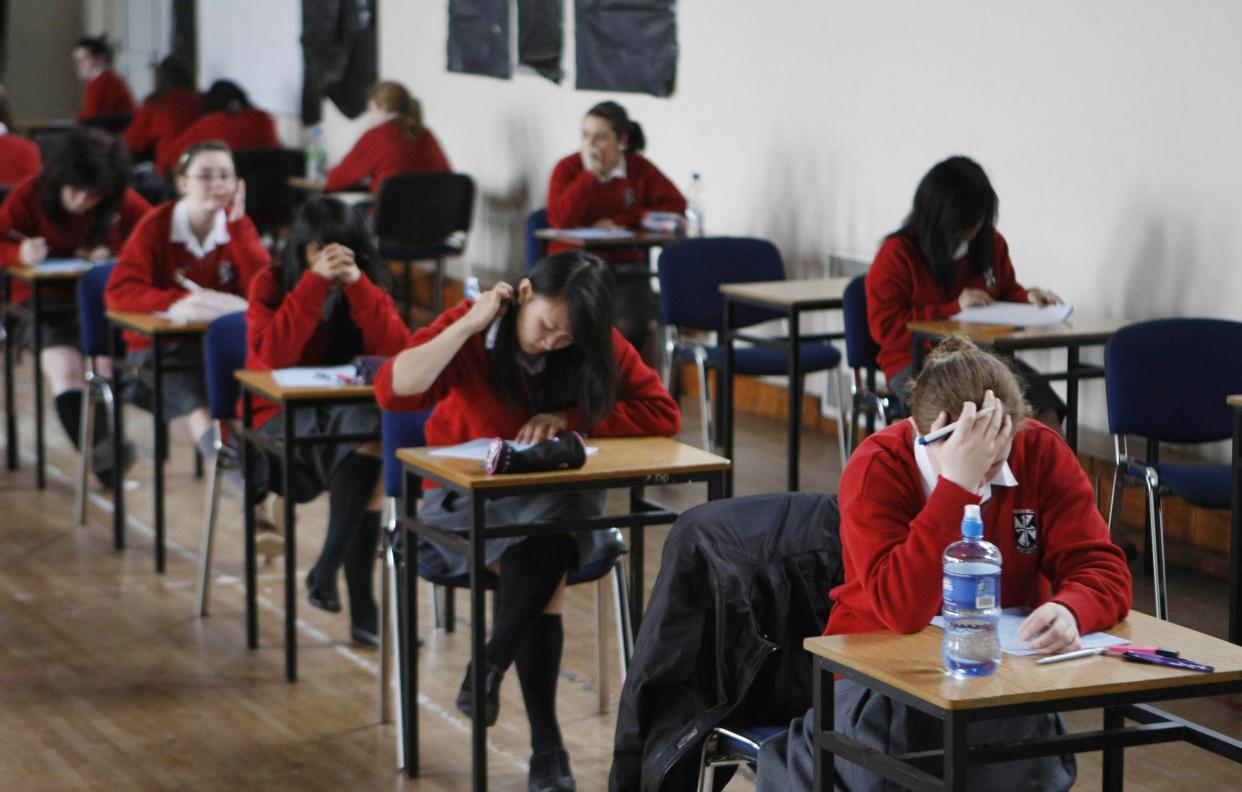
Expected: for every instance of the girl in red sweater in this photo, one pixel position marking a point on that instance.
(948, 256)
(902, 504)
(106, 95)
(78, 205)
(19, 156)
(528, 363)
(167, 112)
(227, 116)
(609, 184)
(184, 250)
(322, 304)
(397, 142)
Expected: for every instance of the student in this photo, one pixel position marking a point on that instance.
(19, 156)
(78, 205)
(609, 184)
(526, 364)
(322, 304)
(106, 95)
(948, 256)
(902, 504)
(227, 116)
(204, 237)
(167, 112)
(396, 142)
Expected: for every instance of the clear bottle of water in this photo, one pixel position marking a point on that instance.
(316, 156)
(972, 602)
(696, 205)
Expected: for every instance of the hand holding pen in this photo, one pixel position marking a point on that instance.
(31, 250)
(978, 440)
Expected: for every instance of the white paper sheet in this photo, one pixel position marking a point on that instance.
(597, 233)
(315, 376)
(477, 449)
(1012, 618)
(65, 265)
(1015, 314)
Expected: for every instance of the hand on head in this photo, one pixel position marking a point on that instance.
(976, 445)
(335, 263)
(237, 209)
(485, 309)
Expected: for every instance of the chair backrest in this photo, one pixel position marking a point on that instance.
(400, 430)
(224, 352)
(860, 347)
(49, 139)
(424, 215)
(269, 198)
(534, 247)
(92, 320)
(1167, 379)
(692, 271)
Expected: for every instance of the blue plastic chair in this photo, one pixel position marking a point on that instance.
(726, 747)
(866, 399)
(1140, 362)
(535, 247)
(224, 352)
(93, 324)
(691, 273)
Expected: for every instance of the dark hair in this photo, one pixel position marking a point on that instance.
(621, 124)
(97, 47)
(583, 374)
(172, 73)
(953, 198)
(6, 109)
(225, 95)
(92, 160)
(325, 220)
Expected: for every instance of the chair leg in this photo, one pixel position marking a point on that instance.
(435, 606)
(839, 380)
(705, 400)
(601, 673)
(707, 771)
(386, 621)
(625, 627)
(86, 433)
(1114, 507)
(209, 532)
(670, 350)
(1157, 545)
(450, 609)
(392, 625)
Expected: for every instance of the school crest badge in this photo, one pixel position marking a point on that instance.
(1025, 531)
(630, 199)
(224, 273)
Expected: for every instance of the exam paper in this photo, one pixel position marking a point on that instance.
(1015, 314)
(65, 265)
(477, 449)
(596, 233)
(314, 376)
(1011, 619)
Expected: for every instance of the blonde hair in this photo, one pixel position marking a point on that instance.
(957, 372)
(392, 97)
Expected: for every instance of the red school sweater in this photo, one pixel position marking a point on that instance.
(1053, 542)
(162, 118)
(387, 150)
(22, 215)
(19, 158)
(106, 95)
(467, 405)
(245, 129)
(144, 276)
(901, 289)
(577, 199)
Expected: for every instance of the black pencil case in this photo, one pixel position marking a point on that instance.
(566, 451)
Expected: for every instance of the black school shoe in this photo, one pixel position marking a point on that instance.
(364, 627)
(491, 693)
(322, 597)
(549, 772)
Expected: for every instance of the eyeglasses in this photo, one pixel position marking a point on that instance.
(208, 176)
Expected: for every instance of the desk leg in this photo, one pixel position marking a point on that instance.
(825, 708)
(724, 392)
(248, 452)
(118, 444)
(1235, 534)
(408, 638)
(478, 637)
(160, 433)
(795, 398)
(955, 747)
(10, 350)
(716, 486)
(291, 553)
(916, 353)
(40, 448)
(638, 560)
(1071, 398)
(1114, 758)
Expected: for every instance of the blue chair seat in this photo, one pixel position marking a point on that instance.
(772, 361)
(751, 736)
(1201, 485)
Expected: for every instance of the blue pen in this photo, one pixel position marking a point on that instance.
(945, 431)
(1170, 662)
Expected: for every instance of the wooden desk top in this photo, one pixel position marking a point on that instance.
(618, 457)
(638, 239)
(1235, 400)
(153, 324)
(263, 383)
(790, 293)
(1081, 329)
(912, 663)
(29, 274)
(303, 183)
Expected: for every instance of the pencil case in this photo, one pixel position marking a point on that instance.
(368, 366)
(566, 451)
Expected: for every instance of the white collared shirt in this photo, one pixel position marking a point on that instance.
(619, 171)
(4, 130)
(1003, 478)
(489, 342)
(184, 234)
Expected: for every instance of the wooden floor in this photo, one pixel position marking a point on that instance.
(109, 680)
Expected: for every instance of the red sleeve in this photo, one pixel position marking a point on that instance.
(20, 212)
(436, 159)
(661, 195)
(140, 135)
(890, 297)
(91, 100)
(383, 332)
(1007, 286)
(133, 208)
(131, 287)
(644, 408)
(249, 254)
(356, 166)
(449, 378)
(570, 194)
(278, 330)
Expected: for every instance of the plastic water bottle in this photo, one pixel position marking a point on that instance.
(696, 204)
(972, 602)
(316, 156)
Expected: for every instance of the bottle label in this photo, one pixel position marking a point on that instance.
(972, 591)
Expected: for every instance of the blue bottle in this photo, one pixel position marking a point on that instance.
(972, 602)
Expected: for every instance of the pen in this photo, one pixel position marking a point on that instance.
(1151, 650)
(1068, 655)
(186, 283)
(1170, 662)
(945, 431)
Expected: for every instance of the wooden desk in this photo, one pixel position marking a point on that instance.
(290, 400)
(908, 668)
(351, 197)
(1235, 527)
(1072, 335)
(631, 463)
(637, 239)
(36, 311)
(794, 297)
(159, 330)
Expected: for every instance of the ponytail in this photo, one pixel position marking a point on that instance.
(392, 97)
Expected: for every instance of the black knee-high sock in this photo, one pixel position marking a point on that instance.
(538, 667)
(349, 491)
(529, 574)
(69, 410)
(360, 553)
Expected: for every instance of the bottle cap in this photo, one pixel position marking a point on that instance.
(972, 522)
